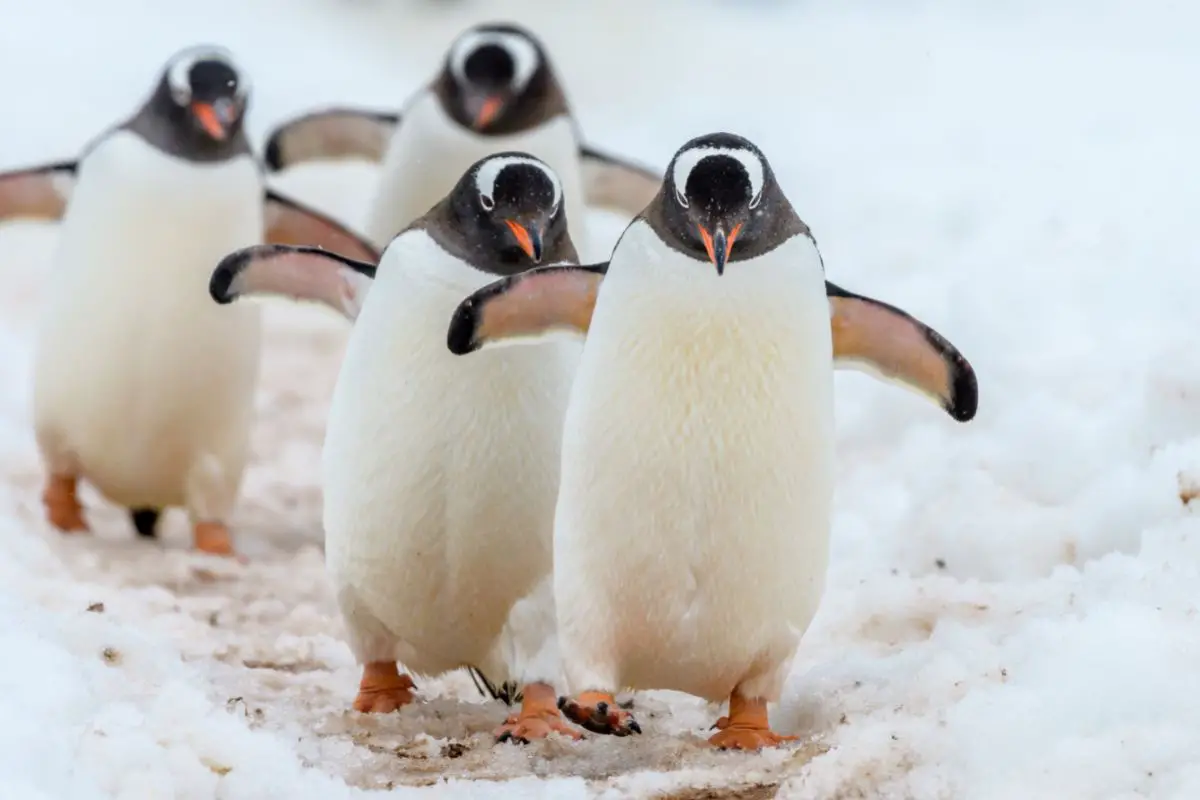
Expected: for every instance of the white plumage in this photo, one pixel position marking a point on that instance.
(429, 152)
(692, 527)
(143, 384)
(440, 477)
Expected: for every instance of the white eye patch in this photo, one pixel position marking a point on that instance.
(179, 71)
(686, 161)
(489, 171)
(522, 52)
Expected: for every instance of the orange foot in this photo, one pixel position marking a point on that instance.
(213, 538)
(746, 726)
(63, 508)
(537, 719)
(598, 712)
(383, 689)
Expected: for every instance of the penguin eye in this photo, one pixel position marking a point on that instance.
(681, 198)
(487, 202)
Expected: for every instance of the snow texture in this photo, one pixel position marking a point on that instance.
(1012, 604)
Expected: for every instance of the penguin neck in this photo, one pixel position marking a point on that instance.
(426, 117)
(164, 126)
(646, 277)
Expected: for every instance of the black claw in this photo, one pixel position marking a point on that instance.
(624, 730)
(504, 737)
(145, 521)
(598, 719)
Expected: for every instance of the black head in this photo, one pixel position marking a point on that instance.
(720, 201)
(508, 210)
(203, 94)
(496, 80)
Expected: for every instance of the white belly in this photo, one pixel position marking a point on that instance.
(429, 153)
(138, 372)
(440, 471)
(691, 538)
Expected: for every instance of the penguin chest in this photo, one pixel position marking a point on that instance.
(440, 472)
(693, 519)
(137, 369)
(430, 152)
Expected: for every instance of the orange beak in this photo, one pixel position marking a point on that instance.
(719, 245)
(486, 111)
(215, 117)
(531, 244)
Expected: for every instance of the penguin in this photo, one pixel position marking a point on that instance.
(496, 90)
(142, 387)
(440, 477)
(691, 534)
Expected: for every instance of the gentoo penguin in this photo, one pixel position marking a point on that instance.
(692, 527)
(439, 476)
(142, 386)
(496, 91)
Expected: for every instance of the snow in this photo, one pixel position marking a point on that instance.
(1011, 609)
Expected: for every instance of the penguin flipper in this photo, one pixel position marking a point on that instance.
(290, 222)
(299, 272)
(527, 307)
(329, 135)
(614, 183)
(40, 192)
(883, 340)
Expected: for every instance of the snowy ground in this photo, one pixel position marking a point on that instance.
(1012, 610)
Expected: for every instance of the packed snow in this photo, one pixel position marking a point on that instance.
(1012, 603)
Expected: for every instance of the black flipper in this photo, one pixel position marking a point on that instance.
(288, 221)
(884, 340)
(617, 184)
(40, 192)
(299, 272)
(329, 135)
(528, 305)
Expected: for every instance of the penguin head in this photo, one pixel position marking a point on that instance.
(509, 206)
(494, 76)
(203, 92)
(718, 195)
